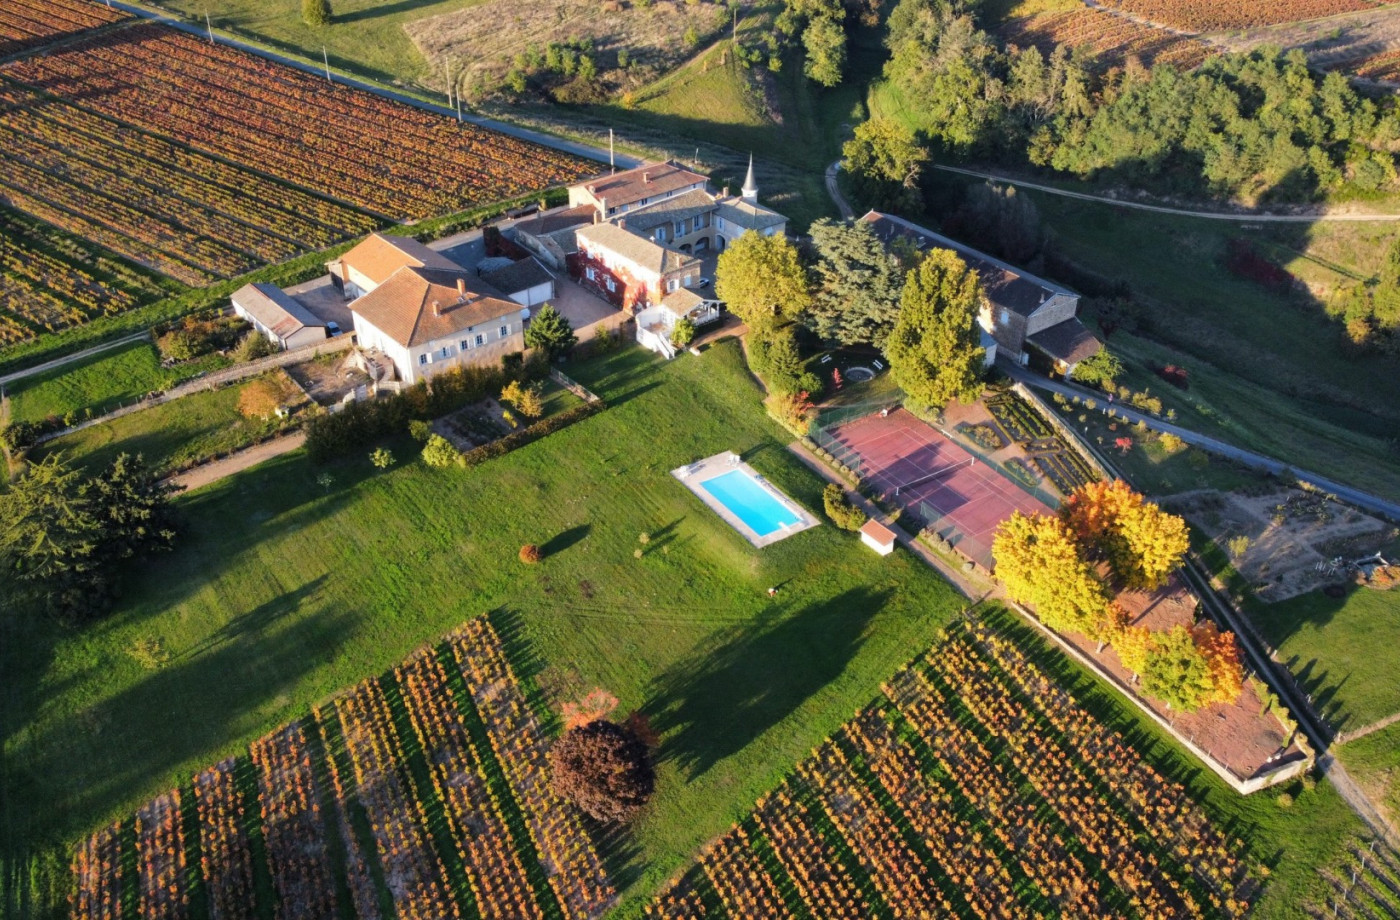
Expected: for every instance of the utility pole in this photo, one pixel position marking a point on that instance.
(612, 157)
(209, 26)
(325, 59)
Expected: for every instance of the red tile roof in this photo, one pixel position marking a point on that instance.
(419, 305)
(380, 255)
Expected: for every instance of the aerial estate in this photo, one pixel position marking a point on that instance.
(658, 459)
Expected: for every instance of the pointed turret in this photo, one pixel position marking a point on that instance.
(750, 191)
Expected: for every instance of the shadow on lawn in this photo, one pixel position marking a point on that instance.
(565, 539)
(756, 676)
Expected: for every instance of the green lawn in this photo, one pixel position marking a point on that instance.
(281, 592)
(1266, 372)
(100, 383)
(1340, 649)
(1374, 761)
(176, 434)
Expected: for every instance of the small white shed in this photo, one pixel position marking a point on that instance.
(878, 537)
(526, 282)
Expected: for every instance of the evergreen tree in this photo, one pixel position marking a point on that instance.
(316, 12)
(550, 332)
(934, 349)
(857, 298)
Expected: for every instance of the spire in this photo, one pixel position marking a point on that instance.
(750, 190)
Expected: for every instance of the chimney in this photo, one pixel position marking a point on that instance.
(461, 290)
(437, 308)
(597, 217)
(622, 223)
(646, 178)
(593, 190)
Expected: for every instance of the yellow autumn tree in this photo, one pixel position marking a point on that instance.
(1141, 542)
(1222, 655)
(1189, 669)
(1040, 565)
(1134, 645)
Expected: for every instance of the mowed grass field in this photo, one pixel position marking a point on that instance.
(179, 433)
(1341, 650)
(282, 591)
(100, 383)
(366, 38)
(1374, 760)
(1267, 372)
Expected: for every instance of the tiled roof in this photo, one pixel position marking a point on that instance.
(687, 204)
(748, 215)
(878, 532)
(402, 307)
(1004, 284)
(542, 224)
(1069, 341)
(636, 249)
(681, 301)
(380, 255)
(518, 276)
(646, 181)
(274, 309)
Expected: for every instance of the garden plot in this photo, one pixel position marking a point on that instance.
(1285, 542)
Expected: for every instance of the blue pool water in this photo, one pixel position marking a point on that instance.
(750, 502)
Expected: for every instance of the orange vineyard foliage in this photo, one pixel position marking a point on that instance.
(978, 788)
(1112, 38)
(27, 23)
(435, 774)
(1212, 15)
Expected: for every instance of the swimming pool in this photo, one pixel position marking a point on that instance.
(749, 501)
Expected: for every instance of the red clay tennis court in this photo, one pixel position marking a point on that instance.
(961, 497)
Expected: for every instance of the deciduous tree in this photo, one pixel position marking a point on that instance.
(933, 350)
(1176, 672)
(316, 12)
(886, 161)
(761, 280)
(1141, 542)
(825, 42)
(603, 768)
(1039, 564)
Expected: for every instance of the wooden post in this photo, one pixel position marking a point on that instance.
(325, 59)
(210, 26)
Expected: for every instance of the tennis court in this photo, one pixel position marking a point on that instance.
(959, 496)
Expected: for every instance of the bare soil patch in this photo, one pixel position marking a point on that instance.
(1286, 542)
(1360, 42)
(328, 379)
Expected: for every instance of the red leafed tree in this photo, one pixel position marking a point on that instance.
(1222, 655)
(1123, 444)
(603, 768)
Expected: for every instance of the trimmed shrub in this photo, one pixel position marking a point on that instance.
(839, 508)
(439, 452)
(530, 554)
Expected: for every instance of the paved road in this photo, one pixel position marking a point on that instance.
(1243, 216)
(1356, 497)
(834, 191)
(76, 356)
(545, 140)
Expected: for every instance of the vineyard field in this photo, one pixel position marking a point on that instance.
(1216, 15)
(977, 787)
(202, 162)
(50, 280)
(1112, 38)
(29, 23)
(407, 790)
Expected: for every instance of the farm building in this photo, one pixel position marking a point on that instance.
(1024, 314)
(272, 312)
(427, 320)
(526, 282)
(375, 259)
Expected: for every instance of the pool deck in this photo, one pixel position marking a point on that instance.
(693, 474)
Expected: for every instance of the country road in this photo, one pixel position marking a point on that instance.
(834, 191)
(1366, 500)
(1242, 216)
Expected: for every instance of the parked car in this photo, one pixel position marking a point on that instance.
(704, 282)
(332, 329)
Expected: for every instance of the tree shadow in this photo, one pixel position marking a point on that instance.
(708, 708)
(375, 12)
(565, 539)
(257, 619)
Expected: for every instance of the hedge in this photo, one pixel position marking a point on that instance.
(520, 437)
(363, 423)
